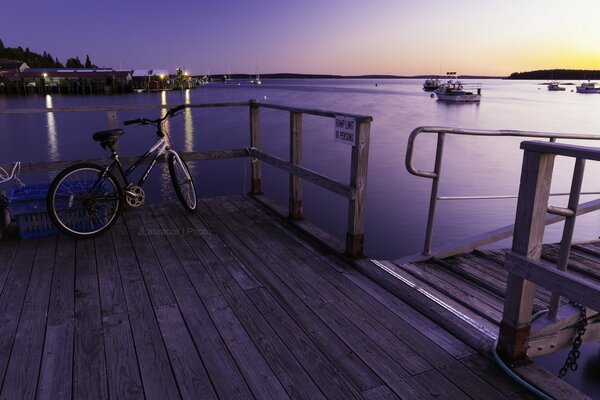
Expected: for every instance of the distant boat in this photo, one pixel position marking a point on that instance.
(588, 87)
(554, 86)
(256, 80)
(431, 84)
(453, 91)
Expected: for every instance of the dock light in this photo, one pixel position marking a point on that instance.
(162, 76)
(45, 75)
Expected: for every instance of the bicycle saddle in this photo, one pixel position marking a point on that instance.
(107, 136)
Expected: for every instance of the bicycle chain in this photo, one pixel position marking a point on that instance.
(571, 361)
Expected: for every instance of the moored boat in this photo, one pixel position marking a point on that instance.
(454, 91)
(431, 84)
(554, 86)
(588, 87)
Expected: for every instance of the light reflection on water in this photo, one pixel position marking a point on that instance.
(189, 124)
(53, 154)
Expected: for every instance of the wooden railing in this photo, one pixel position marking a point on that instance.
(355, 191)
(523, 263)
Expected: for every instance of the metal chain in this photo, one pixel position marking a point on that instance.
(571, 361)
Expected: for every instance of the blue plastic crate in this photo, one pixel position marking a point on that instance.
(28, 206)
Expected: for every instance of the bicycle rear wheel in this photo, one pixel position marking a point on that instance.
(83, 201)
(182, 181)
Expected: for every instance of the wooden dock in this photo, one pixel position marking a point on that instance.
(228, 303)
(236, 302)
(475, 283)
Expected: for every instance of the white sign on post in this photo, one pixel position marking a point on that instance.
(345, 129)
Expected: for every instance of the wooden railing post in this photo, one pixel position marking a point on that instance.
(111, 119)
(355, 236)
(295, 206)
(534, 190)
(255, 167)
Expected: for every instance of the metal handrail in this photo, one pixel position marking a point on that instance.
(435, 174)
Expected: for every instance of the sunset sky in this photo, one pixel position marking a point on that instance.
(313, 36)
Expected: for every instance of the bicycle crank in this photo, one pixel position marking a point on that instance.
(135, 196)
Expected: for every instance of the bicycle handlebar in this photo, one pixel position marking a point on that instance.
(145, 121)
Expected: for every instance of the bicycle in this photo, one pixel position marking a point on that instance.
(85, 199)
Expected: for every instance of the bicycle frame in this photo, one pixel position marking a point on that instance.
(161, 147)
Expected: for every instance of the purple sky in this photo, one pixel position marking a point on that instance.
(313, 36)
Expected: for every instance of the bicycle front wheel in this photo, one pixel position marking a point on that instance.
(84, 200)
(182, 181)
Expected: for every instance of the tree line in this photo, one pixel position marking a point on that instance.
(557, 74)
(44, 60)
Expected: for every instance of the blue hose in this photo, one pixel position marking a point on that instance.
(513, 374)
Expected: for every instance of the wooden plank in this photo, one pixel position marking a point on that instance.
(117, 108)
(441, 388)
(434, 332)
(26, 353)
(255, 166)
(89, 364)
(323, 181)
(331, 382)
(440, 309)
(8, 250)
(56, 379)
(544, 274)
(187, 274)
(322, 113)
(309, 229)
(488, 370)
(534, 189)
(192, 378)
(45, 166)
(484, 304)
(355, 235)
(382, 392)
(555, 388)
(562, 149)
(487, 274)
(123, 375)
(295, 206)
(56, 371)
(12, 297)
(579, 261)
(255, 368)
(155, 370)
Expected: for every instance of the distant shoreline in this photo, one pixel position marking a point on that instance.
(557, 74)
(328, 76)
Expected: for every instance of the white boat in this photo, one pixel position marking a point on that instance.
(431, 84)
(588, 87)
(256, 81)
(554, 86)
(453, 91)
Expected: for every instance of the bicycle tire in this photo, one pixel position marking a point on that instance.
(75, 205)
(182, 181)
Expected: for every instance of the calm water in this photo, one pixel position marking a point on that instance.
(397, 202)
